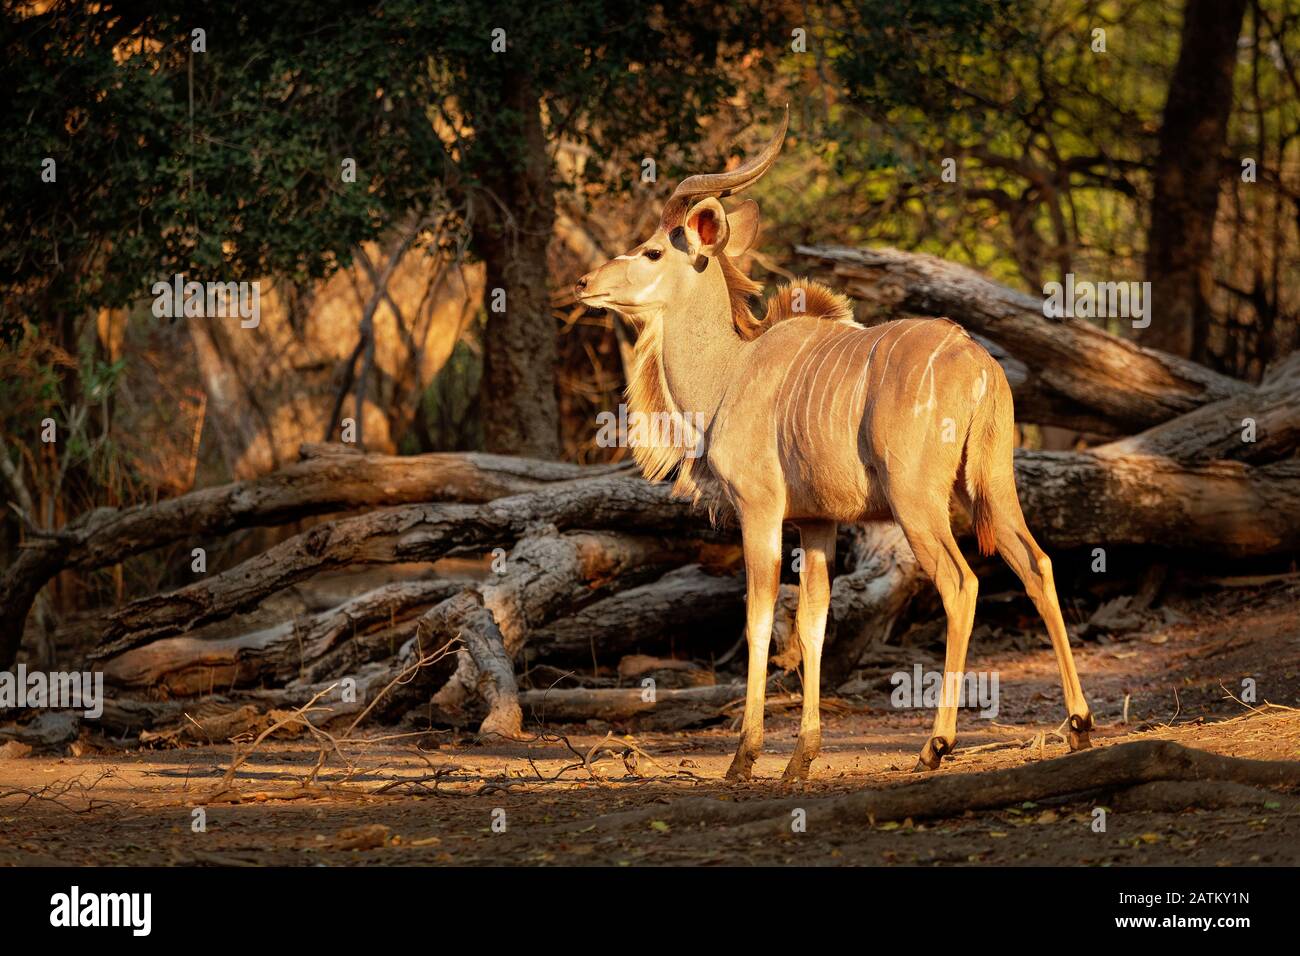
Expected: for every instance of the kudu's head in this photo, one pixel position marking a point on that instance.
(671, 266)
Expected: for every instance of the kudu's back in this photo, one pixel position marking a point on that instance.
(855, 417)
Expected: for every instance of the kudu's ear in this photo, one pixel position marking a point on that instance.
(743, 223)
(707, 231)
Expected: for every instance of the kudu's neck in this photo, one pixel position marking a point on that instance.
(700, 345)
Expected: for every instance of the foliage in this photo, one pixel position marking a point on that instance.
(228, 162)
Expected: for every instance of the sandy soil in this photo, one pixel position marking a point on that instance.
(435, 799)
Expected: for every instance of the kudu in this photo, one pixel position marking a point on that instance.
(805, 416)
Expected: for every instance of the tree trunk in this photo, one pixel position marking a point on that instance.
(1193, 135)
(520, 409)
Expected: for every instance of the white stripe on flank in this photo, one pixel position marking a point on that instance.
(889, 355)
(862, 380)
(780, 389)
(844, 338)
(834, 391)
(799, 392)
(917, 407)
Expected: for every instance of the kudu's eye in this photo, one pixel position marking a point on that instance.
(654, 255)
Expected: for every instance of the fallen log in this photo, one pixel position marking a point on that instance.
(684, 607)
(548, 573)
(325, 482)
(1259, 426)
(1218, 508)
(196, 662)
(1083, 376)
(1071, 499)
(1104, 768)
(1175, 796)
(464, 617)
(415, 533)
(661, 709)
(49, 728)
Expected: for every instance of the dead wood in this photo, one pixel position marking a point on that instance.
(321, 484)
(465, 618)
(548, 574)
(384, 689)
(49, 728)
(1269, 414)
(647, 706)
(1175, 796)
(1080, 376)
(686, 608)
(217, 727)
(197, 662)
(865, 602)
(1071, 499)
(1224, 508)
(413, 533)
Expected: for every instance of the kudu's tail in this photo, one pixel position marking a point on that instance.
(990, 442)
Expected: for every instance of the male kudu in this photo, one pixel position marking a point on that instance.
(810, 418)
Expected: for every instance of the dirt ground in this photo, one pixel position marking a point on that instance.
(447, 799)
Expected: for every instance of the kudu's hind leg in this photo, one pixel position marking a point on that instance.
(818, 541)
(1019, 549)
(930, 536)
(761, 536)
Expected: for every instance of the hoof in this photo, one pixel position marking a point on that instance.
(1078, 734)
(935, 749)
(805, 752)
(742, 768)
(798, 767)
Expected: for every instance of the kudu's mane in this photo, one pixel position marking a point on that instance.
(647, 389)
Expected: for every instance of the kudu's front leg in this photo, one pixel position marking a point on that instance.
(761, 535)
(818, 541)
